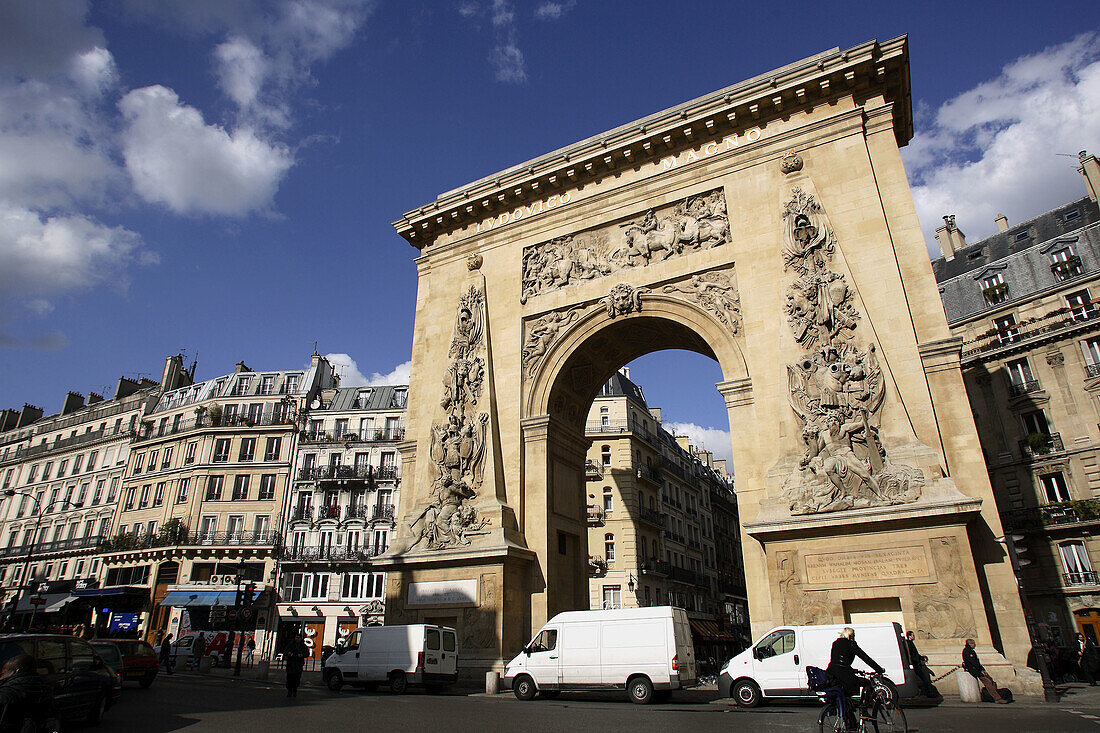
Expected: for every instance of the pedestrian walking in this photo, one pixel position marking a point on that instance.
(198, 649)
(973, 665)
(295, 655)
(166, 653)
(250, 649)
(1085, 652)
(920, 666)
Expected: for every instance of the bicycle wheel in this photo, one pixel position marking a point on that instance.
(829, 721)
(889, 719)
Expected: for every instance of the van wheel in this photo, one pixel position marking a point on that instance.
(334, 680)
(640, 690)
(746, 693)
(524, 688)
(399, 683)
(95, 715)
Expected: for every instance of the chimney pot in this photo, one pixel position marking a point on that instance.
(1090, 171)
(1002, 223)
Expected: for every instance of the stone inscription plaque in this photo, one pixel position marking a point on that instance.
(442, 592)
(896, 563)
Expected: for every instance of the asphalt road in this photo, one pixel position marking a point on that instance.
(193, 704)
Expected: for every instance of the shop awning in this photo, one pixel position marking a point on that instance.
(181, 598)
(60, 604)
(25, 605)
(709, 631)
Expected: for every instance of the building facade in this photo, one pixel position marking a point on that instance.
(653, 529)
(201, 502)
(61, 479)
(340, 513)
(1026, 302)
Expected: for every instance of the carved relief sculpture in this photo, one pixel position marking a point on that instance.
(544, 332)
(689, 224)
(800, 607)
(836, 388)
(716, 292)
(458, 441)
(623, 299)
(943, 609)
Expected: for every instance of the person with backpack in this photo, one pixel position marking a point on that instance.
(973, 665)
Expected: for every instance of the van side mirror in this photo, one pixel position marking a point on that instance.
(756, 653)
(527, 650)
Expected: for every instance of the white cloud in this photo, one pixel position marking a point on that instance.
(994, 148)
(506, 57)
(715, 440)
(554, 10)
(94, 71)
(39, 38)
(45, 256)
(176, 159)
(350, 376)
(509, 64)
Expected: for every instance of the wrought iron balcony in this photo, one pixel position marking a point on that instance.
(185, 538)
(1014, 336)
(596, 517)
(1067, 268)
(1041, 444)
(650, 515)
(593, 470)
(1092, 370)
(315, 553)
(1087, 577)
(1053, 515)
(647, 473)
(1018, 389)
(653, 567)
(301, 514)
(383, 513)
(366, 474)
(357, 511)
(45, 548)
(328, 511)
(688, 576)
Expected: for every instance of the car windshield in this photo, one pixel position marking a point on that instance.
(136, 649)
(108, 651)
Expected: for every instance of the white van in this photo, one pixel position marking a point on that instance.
(775, 666)
(419, 654)
(645, 651)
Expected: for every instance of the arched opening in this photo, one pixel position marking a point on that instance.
(628, 517)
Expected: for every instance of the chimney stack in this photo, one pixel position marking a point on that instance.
(1090, 171)
(241, 367)
(173, 371)
(28, 414)
(950, 237)
(1002, 223)
(73, 402)
(94, 397)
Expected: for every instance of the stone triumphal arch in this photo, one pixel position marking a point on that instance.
(769, 226)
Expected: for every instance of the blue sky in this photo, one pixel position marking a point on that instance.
(220, 177)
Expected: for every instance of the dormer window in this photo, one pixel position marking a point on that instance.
(267, 384)
(1022, 236)
(242, 386)
(1071, 215)
(399, 397)
(994, 289)
(364, 397)
(290, 386)
(1064, 264)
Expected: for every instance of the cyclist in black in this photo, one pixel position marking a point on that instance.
(844, 651)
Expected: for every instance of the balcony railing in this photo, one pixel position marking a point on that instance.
(1052, 323)
(655, 567)
(383, 513)
(1087, 577)
(1092, 370)
(185, 538)
(596, 517)
(1018, 389)
(1041, 444)
(366, 436)
(348, 473)
(42, 548)
(688, 576)
(1053, 515)
(328, 511)
(150, 432)
(301, 514)
(330, 552)
(94, 436)
(647, 473)
(650, 515)
(593, 470)
(1067, 268)
(358, 511)
(637, 427)
(672, 467)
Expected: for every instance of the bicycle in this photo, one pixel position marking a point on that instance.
(877, 709)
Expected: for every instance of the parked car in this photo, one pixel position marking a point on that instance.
(645, 651)
(217, 646)
(400, 656)
(84, 687)
(137, 659)
(775, 666)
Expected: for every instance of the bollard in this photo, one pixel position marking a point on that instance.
(492, 683)
(970, 690)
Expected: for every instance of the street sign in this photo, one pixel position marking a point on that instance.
(246, 613)
(217, 614)
(37, 601)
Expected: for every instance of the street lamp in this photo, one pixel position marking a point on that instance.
(34, 539)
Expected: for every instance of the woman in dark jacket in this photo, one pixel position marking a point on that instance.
(844, 652)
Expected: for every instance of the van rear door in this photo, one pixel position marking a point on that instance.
(433, 650)
(449, 659)
(685, 649)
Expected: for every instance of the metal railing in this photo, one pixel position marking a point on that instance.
(1032, 447)
(1016, 389)
(59, 444)
(185, 538)
(40, 548)
(149, 431)
(1092, 370)
(1053, 515)
(366, 436)
(647, 473)
(1054, 322)
(1087, 577)
(383, 513)
(328, 511)
(658, 567)
(596, 517)
(347, 473)
(593, 470)
(329, 552)
(358, 511)
(301, 514)
(687, 576)
(650, 515)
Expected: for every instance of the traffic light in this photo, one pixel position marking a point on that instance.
(1016, 550)
(239, 599)
(249, 594)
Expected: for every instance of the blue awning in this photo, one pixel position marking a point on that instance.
(202, 598)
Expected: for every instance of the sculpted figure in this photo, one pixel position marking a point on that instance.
(623, 299)
(715, 292)
(543, 333)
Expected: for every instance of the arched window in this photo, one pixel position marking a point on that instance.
(609, 546)
(608, 501)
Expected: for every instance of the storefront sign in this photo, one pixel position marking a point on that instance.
(442, 592)
(838, 568)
